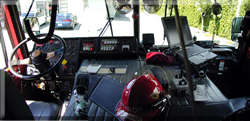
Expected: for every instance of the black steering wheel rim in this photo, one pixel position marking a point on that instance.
(32, 77)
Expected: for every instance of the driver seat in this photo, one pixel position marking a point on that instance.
(43, 110)
(17, 109)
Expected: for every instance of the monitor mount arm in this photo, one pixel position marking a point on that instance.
(186, 62)
(166, 7)
(168, 2)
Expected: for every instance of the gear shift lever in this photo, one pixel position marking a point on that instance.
(40, 62)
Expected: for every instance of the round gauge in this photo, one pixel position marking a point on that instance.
(152, 6)
(122, 6)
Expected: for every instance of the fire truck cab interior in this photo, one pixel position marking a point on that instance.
(82, 78)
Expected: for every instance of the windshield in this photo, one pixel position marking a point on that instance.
(151, 23)
(88, 18)
(82, 18)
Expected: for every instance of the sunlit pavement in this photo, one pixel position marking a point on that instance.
(201, 35)
(92, 19)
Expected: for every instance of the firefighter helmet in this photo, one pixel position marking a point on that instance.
(139, 99)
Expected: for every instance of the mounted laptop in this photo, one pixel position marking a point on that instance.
(196, 54)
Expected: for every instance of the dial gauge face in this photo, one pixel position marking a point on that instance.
(122, 6)
(152, 6)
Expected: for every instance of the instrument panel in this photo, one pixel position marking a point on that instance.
(70, 63)
(108, 46)
(82, 48)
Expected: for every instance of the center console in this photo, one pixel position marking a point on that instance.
(204, 89)
(89, 75)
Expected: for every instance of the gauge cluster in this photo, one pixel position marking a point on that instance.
(88, 46)
(108, 46)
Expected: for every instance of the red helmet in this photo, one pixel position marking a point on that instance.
(139, 98)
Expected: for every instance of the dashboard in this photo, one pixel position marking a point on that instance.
(108, 46)
(78, 49)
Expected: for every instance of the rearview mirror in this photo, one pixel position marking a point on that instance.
(34, 23)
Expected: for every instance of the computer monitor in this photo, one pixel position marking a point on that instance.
(172, 34)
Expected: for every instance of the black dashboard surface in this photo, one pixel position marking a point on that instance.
(78, 49)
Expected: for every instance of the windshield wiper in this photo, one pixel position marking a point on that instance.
(109, 22)
(105, 28)
(97, 43)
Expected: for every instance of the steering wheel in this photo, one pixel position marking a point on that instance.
(32, 77)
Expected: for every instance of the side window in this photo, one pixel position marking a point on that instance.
(2, 58)
(5, 43)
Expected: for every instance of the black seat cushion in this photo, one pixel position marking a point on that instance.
(96, 113)
(17, 108)
(43, 110)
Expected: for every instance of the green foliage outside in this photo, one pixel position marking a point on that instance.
(244, 7)
(225, 19)
(199, 12)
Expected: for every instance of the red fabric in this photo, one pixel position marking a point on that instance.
(158, 58)
(12, 31)
(15, 41)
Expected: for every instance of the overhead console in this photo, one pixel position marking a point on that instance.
(108, 46)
